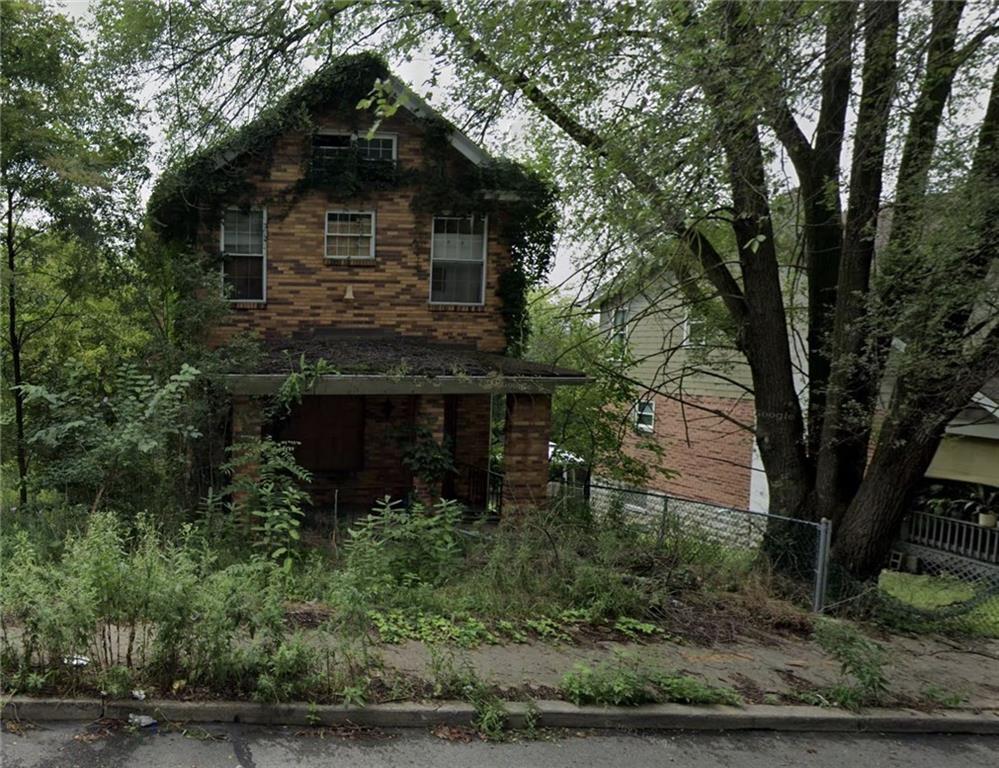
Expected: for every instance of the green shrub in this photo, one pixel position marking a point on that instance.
(395, 547)
(623, 681)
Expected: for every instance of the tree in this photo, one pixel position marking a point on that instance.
(663, 120)
(591, 423)
(69, 173)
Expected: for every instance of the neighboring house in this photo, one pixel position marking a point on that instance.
(694, 400)
(695, 391)
(384, 255)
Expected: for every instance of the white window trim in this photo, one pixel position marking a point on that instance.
(485, 259)
(326, 235)
(638, 414)
(354, 136)
(263, 248)
(620, 334)
(687, 341)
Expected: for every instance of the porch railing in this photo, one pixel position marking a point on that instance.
(956, 536)
(484, 487)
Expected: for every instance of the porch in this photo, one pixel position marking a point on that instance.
(957, 537)
(363, 431)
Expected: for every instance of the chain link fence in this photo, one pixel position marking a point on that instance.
(720, 539)
(943, 575)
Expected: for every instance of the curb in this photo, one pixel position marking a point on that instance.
(557, 714)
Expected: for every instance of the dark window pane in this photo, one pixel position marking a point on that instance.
(456, 282)
(244, 278)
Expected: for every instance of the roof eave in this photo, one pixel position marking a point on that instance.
(393, 384)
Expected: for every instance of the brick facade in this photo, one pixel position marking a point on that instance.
(711, 456)
(525, 456)
(390, 292)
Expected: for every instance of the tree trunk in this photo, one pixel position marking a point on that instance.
(15, 354)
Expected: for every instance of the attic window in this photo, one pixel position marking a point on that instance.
(331, 150)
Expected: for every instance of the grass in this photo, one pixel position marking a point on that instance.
(926, 593)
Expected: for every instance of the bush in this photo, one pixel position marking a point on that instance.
(623, 681)
(396, 547)
(860, 658)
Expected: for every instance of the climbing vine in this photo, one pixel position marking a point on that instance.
(521, 205)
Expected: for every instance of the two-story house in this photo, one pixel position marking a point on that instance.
(397, 252)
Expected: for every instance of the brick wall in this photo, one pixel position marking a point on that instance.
(525, 452)
(713, 457)
(391, 292)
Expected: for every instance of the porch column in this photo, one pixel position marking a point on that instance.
(429, 414)
(525, 451)
(247, 424)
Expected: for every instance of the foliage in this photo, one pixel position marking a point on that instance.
(110, 449)
(860, 659)
(266, 486)
(624, 681)
(429, 459)
(395, 547)
(71, 163)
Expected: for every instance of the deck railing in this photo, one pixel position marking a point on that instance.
(956, 536)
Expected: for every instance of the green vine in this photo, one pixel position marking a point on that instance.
(520, 204)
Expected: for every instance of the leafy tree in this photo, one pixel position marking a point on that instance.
(113, 448)
(593, 422)
(662, 117)
(70, 165)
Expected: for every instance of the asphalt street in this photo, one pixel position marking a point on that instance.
(229, 746)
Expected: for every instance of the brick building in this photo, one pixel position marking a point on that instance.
(386, 255)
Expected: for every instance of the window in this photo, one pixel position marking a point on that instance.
(696, 332)
(619, 325)
(244, 261)
(330, 150)
(458, 260)
(645, 415)
(350, 235)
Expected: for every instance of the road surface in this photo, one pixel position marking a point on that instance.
(232, 746)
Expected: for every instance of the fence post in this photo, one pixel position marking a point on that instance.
(822, 566)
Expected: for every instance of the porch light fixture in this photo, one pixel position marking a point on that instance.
(348, 295)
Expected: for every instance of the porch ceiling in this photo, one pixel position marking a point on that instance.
(376, 364)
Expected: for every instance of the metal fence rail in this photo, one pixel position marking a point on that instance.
(795, 548)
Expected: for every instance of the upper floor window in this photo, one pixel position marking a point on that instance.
(458, 260)
(645, 415)
(244, 254)
(696, 331)
(350, 235)
(329, 150)
(619, 325)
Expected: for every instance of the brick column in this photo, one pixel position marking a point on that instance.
(525, 451)
(429, 413)
(247, 424)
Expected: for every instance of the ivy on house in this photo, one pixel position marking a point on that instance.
(520, 204)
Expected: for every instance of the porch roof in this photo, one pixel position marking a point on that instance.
(377, 364)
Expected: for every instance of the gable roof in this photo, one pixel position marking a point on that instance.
(340, 84)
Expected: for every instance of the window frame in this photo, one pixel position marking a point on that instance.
(355, 135)
(639, 426)
(619, 333)
(263, 254)
(687, 326)
(326, 235)
(485, 260)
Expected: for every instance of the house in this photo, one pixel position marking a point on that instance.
(697, 394)
(395, 251)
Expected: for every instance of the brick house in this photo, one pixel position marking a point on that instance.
(390, 256)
